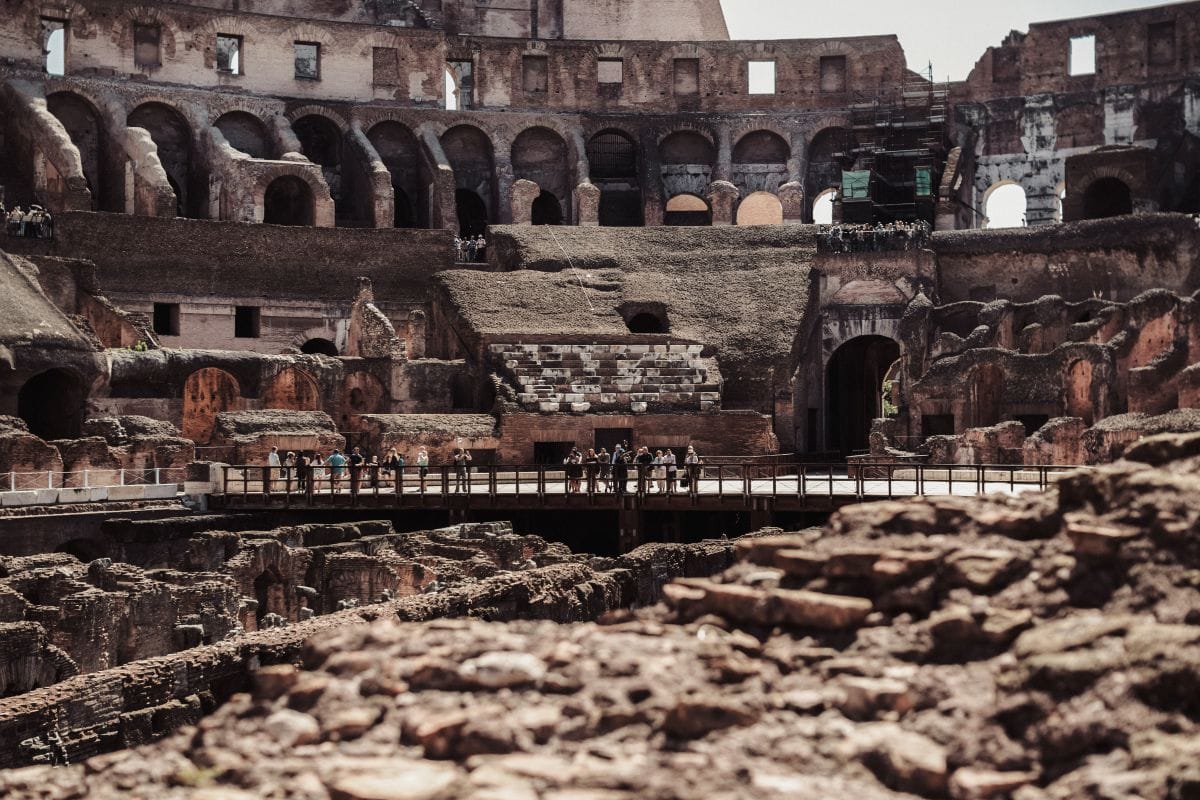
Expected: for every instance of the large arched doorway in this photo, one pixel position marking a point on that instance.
(321, 142)
(760, 208)
(1107, 197)
(269, 592)
(760, 162)
(831, 151)
(173, 138)
(469, 151)
(822, 208)
(84, 126)
(318, 346)
(687, 210)
(613, 168)
(51, 403)
(1004, 206)
(288, 201)
(401, 153)
(206, 393)
(546, 210)
(540, 155)
(854, 390)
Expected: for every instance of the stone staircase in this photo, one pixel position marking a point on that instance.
(633, 378)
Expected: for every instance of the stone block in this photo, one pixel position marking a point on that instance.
(637, 407)
(580, 408)
(8, 499)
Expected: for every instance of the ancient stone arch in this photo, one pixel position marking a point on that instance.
(541, 155)
(171, 34)
(246, 132)
(293, 389)
(206, 393)
(340, 122)
(322, 215)
(402, 153)
(88, 131)
(173, 137)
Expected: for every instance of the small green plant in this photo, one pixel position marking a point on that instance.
(889, 408)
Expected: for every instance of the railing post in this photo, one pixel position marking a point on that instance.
(830, 484)
(157, 476)
(86, 478)
(12, 481)
(50, 479)
(890, 473)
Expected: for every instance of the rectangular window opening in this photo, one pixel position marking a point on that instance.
(937, 425)
(1083, 55)
(687, 77)
(54, 45)
(229, 54)
(246, 321)
(833, 73)
(762, 77)
(551, 453)
(535, 73)
(460, 85)
(308, 60)
(166, 319)
(610, 70)
(147, 51)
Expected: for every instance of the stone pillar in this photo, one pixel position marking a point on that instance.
(520, 198)
(722, 198)
(629, 525)
(587, 204)
(417, 333)
(650, 178)
(502, 163)
(791, 196)
(723, 169)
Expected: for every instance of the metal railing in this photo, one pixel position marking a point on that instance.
(91, 478)
(862, 482)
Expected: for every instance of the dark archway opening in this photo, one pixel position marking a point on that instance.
(646, 322)
(173, 140)
(86, 129)
(268, 591)
(854, 381)
(288, 201)
(621, 208)
(51, 403)
(319, 347)
(86, 550)
(402, 210)
(546, 210)
(472, 213)
(613, 161)
(1107, 197)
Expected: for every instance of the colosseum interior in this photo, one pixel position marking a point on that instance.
(916, 365)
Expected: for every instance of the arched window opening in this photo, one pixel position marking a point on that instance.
(761, 147)
(87, 132)
(855, 390)
(288, 201)
(540, 155)
(51, 403)
(822, 209)
(546, 210)
(1004, 206)
(686, 147)
(1107, 197)
(612, 155)
(472, 213)
(173, 138)
(245, 132)
(760, 208)
(687, 210)
(646, 322)
(318, 346)
(401, 153)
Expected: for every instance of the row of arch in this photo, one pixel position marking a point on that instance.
(1006, 205)
(540, 154)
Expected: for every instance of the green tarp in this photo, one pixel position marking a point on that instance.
(856, 185)
(924, 182)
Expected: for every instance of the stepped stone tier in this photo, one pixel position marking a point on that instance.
(610, 377)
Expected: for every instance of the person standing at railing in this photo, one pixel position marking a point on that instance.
(318, 470)
(692, 463)
(394, 462)
(573, 470)
(337, 468)
(272, 469)
(422, 465)
(592, 464)
(289, 469)
(645, 469)
(604, 460)
(462, 466)
(672, 469)
(302, 467)
(356, 461)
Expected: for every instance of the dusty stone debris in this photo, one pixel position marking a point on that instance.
(957, 648)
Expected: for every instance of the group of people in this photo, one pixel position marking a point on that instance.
(470, 249)
(297, 470)
(34, 222)
(660, 471)
(878, 238)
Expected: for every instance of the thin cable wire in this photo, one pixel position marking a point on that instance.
(578, 276)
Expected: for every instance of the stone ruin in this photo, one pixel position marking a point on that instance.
(1037, 648)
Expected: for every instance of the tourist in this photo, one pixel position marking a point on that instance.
(272, 471)
(289, 469)
(14, 226)
(337, 468)
(574, 470)
(470, 250)
(356, 461)
(692, 464)
(302, 463)
(620, 471)
(422, 465)
(318, 471)
(480, 248)
(660, 471)
(373, 474)
(592, 465)
(605, 462)
(645, 471)
(394, 463)
(670, 463)
(462, 467)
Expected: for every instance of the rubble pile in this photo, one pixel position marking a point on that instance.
(1034, 648)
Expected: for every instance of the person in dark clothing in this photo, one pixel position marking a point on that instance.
(645, 460)
(356, 466)
(620, 469)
